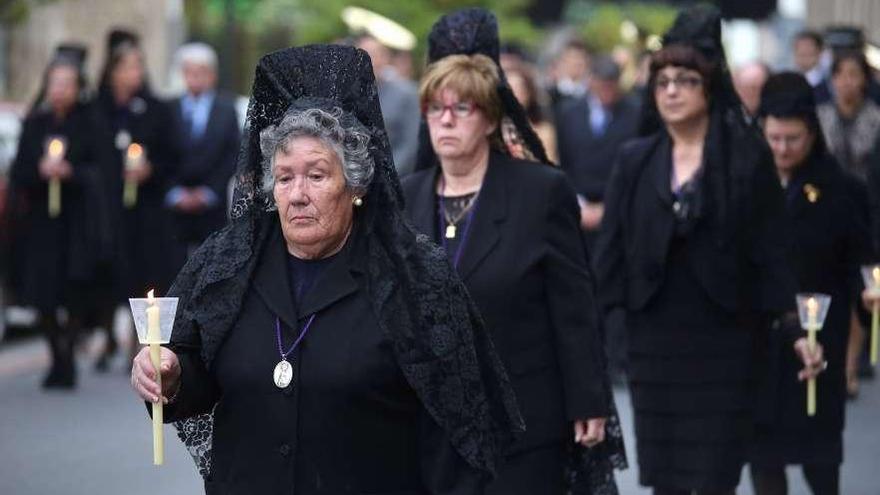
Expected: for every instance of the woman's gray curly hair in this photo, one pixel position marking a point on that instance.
(344, 136)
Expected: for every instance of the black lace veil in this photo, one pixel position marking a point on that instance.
(475, 31)
(420, 304)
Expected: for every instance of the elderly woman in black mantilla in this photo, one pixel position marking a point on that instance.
(335, 350)
(693, 247)
(510, 227)
(828, 229)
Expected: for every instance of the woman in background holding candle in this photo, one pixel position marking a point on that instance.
(54, 258)
(133, 116)
(829, 246)
(692, 246)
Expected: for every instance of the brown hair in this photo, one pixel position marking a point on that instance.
(683, 56)
(474, 77)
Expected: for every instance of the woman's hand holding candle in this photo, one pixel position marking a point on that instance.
(813, 358)
(143, 376)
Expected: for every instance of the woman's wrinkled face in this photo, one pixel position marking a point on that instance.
(128, 75)
(314, 204)
(790, 140)
(849, 81)
(458, 128)
(62, 88)
(680, 95)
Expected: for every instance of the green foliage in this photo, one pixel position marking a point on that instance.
(599, 21)
(15, 11)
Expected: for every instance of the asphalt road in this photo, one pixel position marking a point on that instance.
(97, 439)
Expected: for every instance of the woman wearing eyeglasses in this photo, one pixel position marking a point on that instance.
(692, 247)
(510, 227)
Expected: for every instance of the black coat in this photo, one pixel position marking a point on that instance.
(350, 423)
(526, 268)
(209, 161)
(587, 158)
(143, 231)
(828, 227)
(48, 254)
(740, 258)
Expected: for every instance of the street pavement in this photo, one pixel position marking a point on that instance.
(96, 440)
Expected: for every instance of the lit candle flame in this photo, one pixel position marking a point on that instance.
(56, 148)
(876, 274)
(812, 305)
(135, 151)
(150, 295)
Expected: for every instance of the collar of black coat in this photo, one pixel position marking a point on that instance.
(271, 281)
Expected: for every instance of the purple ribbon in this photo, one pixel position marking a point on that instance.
(302, 335)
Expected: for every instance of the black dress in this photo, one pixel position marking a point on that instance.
(693, 290)
(349, 423)
(829, 228)
(144, 231)
(52, 257)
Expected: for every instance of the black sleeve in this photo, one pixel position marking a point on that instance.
(444, 471)
(609, 262)
(24, 171)
(572, 305)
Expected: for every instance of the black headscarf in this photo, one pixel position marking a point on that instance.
(421, 305)
(788, 95)
(474, 31)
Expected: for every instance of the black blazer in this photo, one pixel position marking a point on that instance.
(206, 161)
(742, 264)
(349, 424)
(525, 265)
(586, 158)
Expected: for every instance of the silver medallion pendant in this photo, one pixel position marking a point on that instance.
(283, 374)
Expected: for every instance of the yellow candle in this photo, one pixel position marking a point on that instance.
(133, 158)
(55, 151)
(812, 327)
(154, 336)
(875, 316)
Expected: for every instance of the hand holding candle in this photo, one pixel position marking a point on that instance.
(55, 150)
(812, 310)
(134, 159)
(154, 318)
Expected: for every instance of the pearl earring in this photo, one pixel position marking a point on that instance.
(357, 201)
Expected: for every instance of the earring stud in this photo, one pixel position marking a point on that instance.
(357, 201)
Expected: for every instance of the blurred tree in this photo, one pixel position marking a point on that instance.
(14, 11)
(600, 21)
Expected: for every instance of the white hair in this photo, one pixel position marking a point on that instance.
(197, 53)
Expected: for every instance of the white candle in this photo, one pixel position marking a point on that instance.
(55, 151)
(134, 156)
(812, 327)
(154, 336)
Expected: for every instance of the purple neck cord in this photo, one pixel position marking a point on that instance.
(302, 334)
(467, 229)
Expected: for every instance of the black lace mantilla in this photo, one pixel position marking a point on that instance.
(438, 337)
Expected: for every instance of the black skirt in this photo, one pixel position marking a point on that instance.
(690, 379)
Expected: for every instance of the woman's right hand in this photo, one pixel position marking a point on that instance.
(143, 375)
(869, 298)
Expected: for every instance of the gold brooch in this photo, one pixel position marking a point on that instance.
(812, 193)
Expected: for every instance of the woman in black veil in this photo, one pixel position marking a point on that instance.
(397, 388)
(693, 247)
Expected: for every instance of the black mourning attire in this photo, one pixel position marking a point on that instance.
(827, 224)
(143, 230)
(54, 261)
(524, 262)
(698, 271)
(206, 160)
(396, 386)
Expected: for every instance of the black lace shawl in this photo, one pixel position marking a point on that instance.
(475, 31)
(472, 31)
(421, 305)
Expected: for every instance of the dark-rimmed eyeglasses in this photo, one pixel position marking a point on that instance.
(460, 110)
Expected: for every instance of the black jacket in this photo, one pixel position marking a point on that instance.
(587, 158)
(349, 423)
(209, 161)
(525, 265)
(740, 258)
(828, 227)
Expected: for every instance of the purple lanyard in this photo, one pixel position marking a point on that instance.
(302, 335)
(442, 223)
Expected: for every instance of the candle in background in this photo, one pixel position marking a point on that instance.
(134, 157)
(55, 151)
(154, 336)
(812, 328)
(875, 315)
